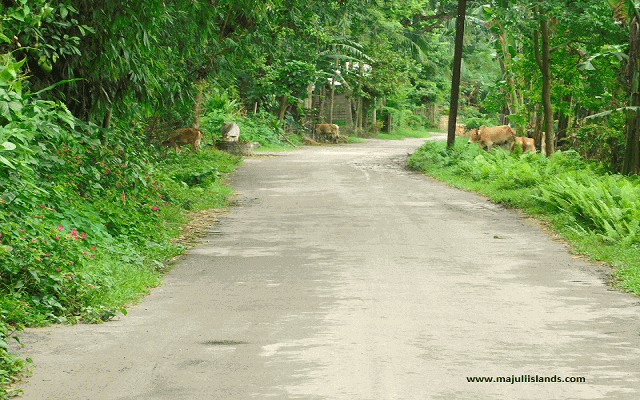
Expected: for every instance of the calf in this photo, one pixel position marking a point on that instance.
(230, 131)
(183, 136)
(329, 131)
(502, 136)
(525, 142)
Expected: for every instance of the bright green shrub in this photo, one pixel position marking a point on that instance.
(608, 205)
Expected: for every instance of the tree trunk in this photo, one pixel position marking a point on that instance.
(537, 130)
(349, 116)
(544, 63)
(331, 97)
(455, 82)
(323, 101)
(106, 121)
(359, 123)
(564, 120)
(283, 106)
(631, 163)
(308, 102)
(374, 117)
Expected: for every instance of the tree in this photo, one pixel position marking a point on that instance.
(631, 163)
(543, 59)
(457, 61)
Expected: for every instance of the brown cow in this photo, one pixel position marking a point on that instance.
(230, 131)
(183, 136)
(329, 131)
(502, 136)
(460, 129)
(525, 143)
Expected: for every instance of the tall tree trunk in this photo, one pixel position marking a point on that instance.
(374, 117)
(106, 121)
(349, 115)
(631, 163)
(331, 97)
(308, 102)
(333, 90)
(537, 130)
(323, 101)
(564, 119)
(283, 106)
(544, 63)
(457, 62)
(359, 115)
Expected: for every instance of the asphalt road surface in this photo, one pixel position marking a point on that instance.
(342, 275)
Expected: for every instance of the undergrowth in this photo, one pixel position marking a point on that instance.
(597, 211)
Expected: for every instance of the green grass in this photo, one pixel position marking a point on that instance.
(274, 147)
(402, 133)
(354, 139)
(596, 211)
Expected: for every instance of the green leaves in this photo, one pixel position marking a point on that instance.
(9, 72)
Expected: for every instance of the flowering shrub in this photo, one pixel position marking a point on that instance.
(39, 264)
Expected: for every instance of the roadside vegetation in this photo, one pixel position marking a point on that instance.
(596, 210)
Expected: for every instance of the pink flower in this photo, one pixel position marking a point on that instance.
(58, 269)
(39, 259)
(60, 227)
(154, 208)
(57, 237)
(46, 255)
(93, 247)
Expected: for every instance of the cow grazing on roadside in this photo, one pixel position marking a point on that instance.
(329, 132)
(230, 132)
(525, 143)
(183, 136)
(486, 137)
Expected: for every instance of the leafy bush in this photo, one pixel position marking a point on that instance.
(477, 122)
(607, 205)
(600, 141)
(220, 107)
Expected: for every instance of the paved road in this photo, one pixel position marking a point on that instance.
(344, 276)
